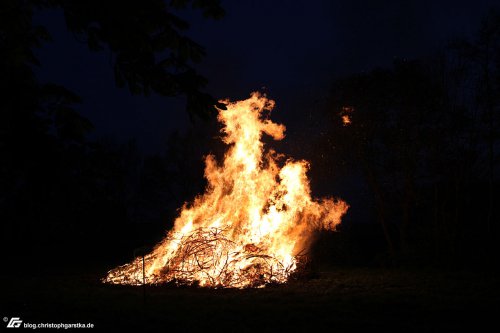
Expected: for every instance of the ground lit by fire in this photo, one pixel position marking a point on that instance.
(254, 220)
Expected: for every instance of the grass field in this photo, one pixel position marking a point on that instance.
(339, 300)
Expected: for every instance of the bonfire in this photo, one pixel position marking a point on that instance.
(254, 221)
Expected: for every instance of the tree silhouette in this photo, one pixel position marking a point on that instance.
(417, 136)
(390, 114)
(151, 53)
(483, 55)
(53, 182)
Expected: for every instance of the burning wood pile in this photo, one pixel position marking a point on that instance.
(253, 221)
(209, 255)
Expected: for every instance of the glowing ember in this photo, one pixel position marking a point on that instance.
(345, 115)
(346, 120)
(253, 221)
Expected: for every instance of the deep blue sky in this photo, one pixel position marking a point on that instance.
(293, 49)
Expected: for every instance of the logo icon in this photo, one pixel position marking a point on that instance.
(14, 322)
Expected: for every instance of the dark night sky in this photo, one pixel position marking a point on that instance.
(292, 49)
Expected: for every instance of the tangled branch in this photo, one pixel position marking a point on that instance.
(209, 258)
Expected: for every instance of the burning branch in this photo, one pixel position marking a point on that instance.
(247, 234)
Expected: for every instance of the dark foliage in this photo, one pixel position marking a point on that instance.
(61, 196)
(424, 136)
(423, 141)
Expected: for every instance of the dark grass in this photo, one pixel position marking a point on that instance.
(338, 300)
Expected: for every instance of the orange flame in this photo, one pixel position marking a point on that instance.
(252, 222)
(344, 114)
(346, 120)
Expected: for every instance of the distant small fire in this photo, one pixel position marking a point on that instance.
(346, 120)
(252, 223)
(345, 114)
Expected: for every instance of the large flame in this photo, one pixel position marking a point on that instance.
(253, 221)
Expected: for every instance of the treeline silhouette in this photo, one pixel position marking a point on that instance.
(63, 198)
(422, 140)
